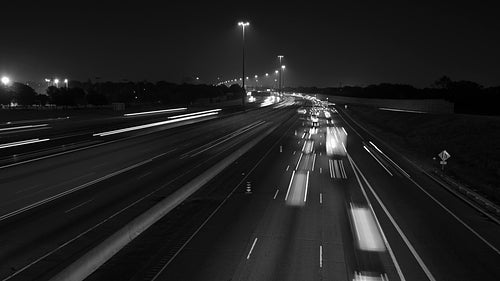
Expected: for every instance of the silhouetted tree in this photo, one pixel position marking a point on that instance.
(23, 94)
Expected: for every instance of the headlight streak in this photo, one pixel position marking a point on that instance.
(18, 143)
(178, 119)
(155, 111)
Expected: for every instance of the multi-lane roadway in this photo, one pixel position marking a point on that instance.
(325, 201)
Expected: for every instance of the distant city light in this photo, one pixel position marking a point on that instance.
(5, 80)
(267, 74)
(283, 67)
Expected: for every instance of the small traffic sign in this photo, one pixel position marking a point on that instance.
(442, 162)
(444, 155)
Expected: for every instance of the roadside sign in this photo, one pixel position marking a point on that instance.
(442, 162)
(444, 155)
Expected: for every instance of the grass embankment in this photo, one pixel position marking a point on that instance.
(473, 142)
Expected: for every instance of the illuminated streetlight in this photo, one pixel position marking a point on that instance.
(5, 80)
(267, 74)
(56, 81)
(66, 82)
(243, 25)
(279, 86)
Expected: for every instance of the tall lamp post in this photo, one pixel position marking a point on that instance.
(282, 78)
(243, 25)
(279, 79)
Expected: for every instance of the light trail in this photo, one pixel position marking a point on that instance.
(24, 142)
(156, 111)
(23, 127)
(129, 129)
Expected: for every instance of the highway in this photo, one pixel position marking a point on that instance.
(331, 202)
(54, 207)
(291, 228)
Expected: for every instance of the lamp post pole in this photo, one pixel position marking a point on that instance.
(243, 25)
(279, 82)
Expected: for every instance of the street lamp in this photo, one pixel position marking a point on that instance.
(283, 76)
(66, 82)
(243, 25)
(5, 80)
(56, 81)
(280, 58)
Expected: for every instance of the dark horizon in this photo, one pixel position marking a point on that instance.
(324, 46)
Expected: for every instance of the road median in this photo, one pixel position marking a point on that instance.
(97, 256)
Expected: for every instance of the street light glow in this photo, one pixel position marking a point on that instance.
(5, 80)
(243, 24)
(283, 67)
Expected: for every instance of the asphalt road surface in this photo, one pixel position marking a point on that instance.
(284, 211)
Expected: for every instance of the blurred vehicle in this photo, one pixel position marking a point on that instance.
(336, 142)
(315, 120)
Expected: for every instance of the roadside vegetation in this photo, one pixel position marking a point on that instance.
(472, 141)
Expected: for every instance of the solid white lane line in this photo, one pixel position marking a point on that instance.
(330, 165)
(77, 206)
(457, 218)
(307, 185)
(378, 161)
(276, 194)
(434, 199)
(251, 249)
(391, 253)
(387, 157)
(314, 161)
(298, 162)
(321, 198)
(320, 256)
(289, 185)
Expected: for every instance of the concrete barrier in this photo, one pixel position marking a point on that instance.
(424, 105)
(92, 260)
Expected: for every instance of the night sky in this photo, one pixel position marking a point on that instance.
(324, 44)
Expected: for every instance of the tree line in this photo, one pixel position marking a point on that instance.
(88, 93)
(469, 97)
